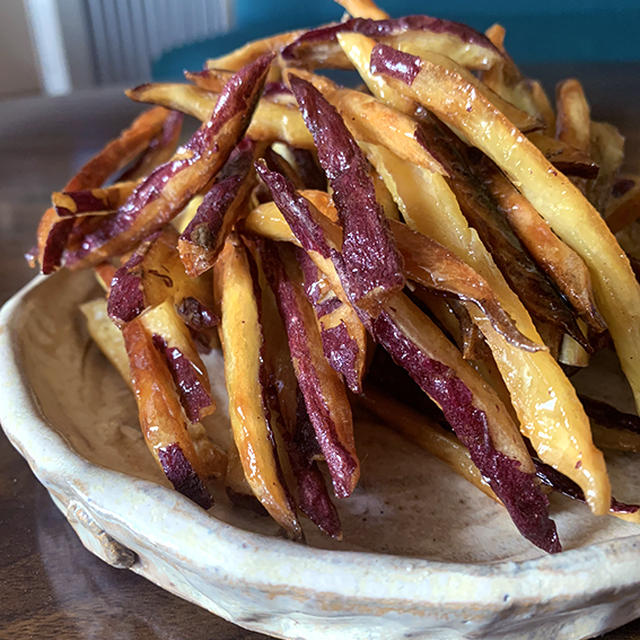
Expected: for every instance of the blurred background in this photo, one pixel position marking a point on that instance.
(56, 46)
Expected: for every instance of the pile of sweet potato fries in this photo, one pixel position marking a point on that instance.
(436, 246)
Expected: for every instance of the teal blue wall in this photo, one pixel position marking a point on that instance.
(537, 32)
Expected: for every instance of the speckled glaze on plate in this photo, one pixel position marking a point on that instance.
(425, 555)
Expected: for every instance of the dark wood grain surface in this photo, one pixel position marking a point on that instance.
(50, 586)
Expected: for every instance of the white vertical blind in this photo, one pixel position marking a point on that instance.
(128, 35)
(47, 37)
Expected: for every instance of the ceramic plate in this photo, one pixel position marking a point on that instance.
(425, 555)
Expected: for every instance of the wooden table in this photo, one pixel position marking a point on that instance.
(50, 586)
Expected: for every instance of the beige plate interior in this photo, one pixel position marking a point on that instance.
(433, 556)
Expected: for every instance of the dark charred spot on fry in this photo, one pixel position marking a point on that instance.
(607, 416)
(567, 487)
(166, 278)
(195, 315)
(622, 186)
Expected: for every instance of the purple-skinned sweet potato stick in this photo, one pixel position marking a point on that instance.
(54, 231)
(203, 238)
(172, 338)
(567, 487)
(162, 419)
(324, 393)
(474, 411)
(291, 417)
(160, 149)
(313, 499)
(425, 261)
(371, 262)
(309, 170)
(154, 273)
(91, 201)
(195, 397)
(319, 47)
(344, 337)
(167, 190)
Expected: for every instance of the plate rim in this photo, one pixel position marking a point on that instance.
(412, 581)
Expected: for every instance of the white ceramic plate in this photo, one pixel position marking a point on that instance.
(425, 554)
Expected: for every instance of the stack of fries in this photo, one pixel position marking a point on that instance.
(436, 246)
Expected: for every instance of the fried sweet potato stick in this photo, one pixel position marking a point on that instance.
(208, 79)
(607, 149)
(296, 431)
(344, 337)
(614, 439)
(165, 192)
(411, 184)
(625, 208)
(313, 497)
(91, 201)
(474, 411)
(106, 335)
(171, 337)
(371, 263)
(370, 120)
(162, 418)
(560, 433)
(363, 9)
(153, 274)
(185, 98)
(566, 268)
(249, 411)
(427, 434)
(573, 120)
(252, 51)
(505, 79)
(560, 483)
(270, 122)
(160, 149)
(416, 34)
(570, 215)
(324, 393)
(54, 231)
(109, 339)
(571, 161)
(203, 238)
